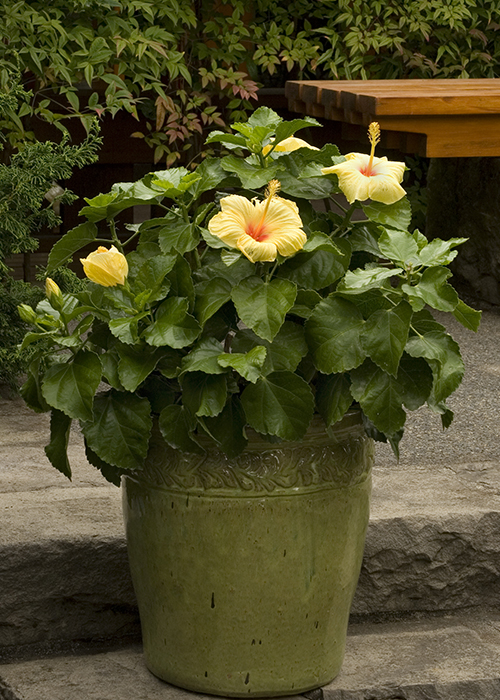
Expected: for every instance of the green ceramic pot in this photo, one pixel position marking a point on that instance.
(245, 568)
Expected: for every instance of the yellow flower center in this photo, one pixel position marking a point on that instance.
(258, 230)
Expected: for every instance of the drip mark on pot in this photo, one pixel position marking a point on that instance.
(284, 553)
(187, 501)
(253, 642)
(247, 679)
(206, 674)
(213, 601)
(316, 624)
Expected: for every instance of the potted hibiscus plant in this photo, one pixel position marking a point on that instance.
(232, 371)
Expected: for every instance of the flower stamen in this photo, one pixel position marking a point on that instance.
(374, 137)
(272, 189)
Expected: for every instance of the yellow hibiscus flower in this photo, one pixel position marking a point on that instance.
(106, 267)
(260, 229)
(364, 176)
(292, 143)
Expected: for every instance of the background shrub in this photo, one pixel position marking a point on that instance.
(185, 66)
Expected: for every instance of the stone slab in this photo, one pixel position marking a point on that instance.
(454, 658)
(64, 568)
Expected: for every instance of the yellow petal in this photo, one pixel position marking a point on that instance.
(284, 226)
(292, 143)
(230, 222)
(259, 229)
(257, 251)
(106, 267)
(381, 185)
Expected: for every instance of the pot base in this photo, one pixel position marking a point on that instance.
(245, 576)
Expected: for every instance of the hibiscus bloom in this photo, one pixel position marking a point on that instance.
(292, 143)
(364, 176)
(260, 229)
(106, 267)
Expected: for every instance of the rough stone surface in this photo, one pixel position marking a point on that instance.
(463, 202)
(456, 658)
(63, 567)
(63, 561)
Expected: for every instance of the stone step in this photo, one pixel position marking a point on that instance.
(433, 545)
(449, 658)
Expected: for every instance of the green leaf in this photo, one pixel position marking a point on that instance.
(288, 128)
(125, 329)
(399, 246)
(262, 306)
(31, 390)
(333, 397)
(212, 241)
(284, 353)
(333, 335)
(70, 386)
(305, 302)
(384, 336)
(252, 176)
(210, 173)
(229, 140)
(70, 243)
(204, 394)
(57, 449)
(233, 273)
(176, 426)
(264, 116)
(210, 296)
(319, 187)
(203, 358)
(379, 395)
(320, 267)
(169, 364)
(150, 276)
(119, 433)
(443, 355)
(172, 182)
(280, 404)
(397, 215)
(439, 252)
(123, 195)
(177, 234)
(248, 365)
(109, 362)
(227, 429)
(173, 325)
(360, 281)
(181, 282)
(365, 237)
(432, 289)
(470, 318)
(109, 472)
(415, 377)
(136, 363)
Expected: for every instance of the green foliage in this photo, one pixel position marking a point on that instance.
(211, 342)
(187, 67)
(12, 329)
(29, 197)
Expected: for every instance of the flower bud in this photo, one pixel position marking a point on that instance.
(26, 313)
(52, 290)
(106, 267)
(292, 143)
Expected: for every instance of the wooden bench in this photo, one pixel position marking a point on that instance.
(433, 118)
